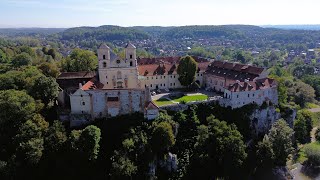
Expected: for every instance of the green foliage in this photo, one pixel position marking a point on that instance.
(56, 137)
(301, 93)
(303, 126)
(313, 81)
(187, 70)
(312, 151)
(317, 135)
(201, 52)
(219, 147)
(49, 69)
(45, 89)
(80, 60)
(16, 106)
(122, 167)
(86, 142)
(162, 137)
(280, 136)
(265, 154)
(22, 59)
(303, 70)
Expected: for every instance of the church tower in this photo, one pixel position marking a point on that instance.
(131, 54)
(104, 56)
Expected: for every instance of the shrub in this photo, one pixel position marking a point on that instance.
(313, 153)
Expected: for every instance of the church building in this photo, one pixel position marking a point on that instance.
(115, 91)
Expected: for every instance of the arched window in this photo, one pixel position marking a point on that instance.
(131, 63)
(119, 75)
(104, 64)
(104, 56)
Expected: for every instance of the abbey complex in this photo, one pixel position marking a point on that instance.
(123, 85)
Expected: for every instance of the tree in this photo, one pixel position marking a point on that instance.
(265, 154)
(22, 59)
(56, 137)
(49, 69)
(219, 150)
(187, 70)
(280, 136)
(3, 57)
(45, 89)
(80, 60)
(162, 137)
(29, 141)
(86, 142)
(301, 93)
(122, 167)
(312, 151)
(317, 135)
(303, 126)
(17, 106)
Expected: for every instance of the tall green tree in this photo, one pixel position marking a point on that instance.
(22, 59)
(187, 70)
(280, 136)
(86, 142)
(264, 153)
(45, 89)
(162, 137)
(219, 151)
(80, 60)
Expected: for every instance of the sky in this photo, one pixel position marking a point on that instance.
(74, 13)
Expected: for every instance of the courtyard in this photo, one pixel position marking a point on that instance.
(166, 99)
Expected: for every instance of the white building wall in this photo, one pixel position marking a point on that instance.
(166, 81)
(239, 99)
(80, 102)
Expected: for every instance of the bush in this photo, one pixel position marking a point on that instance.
(317, 135)
(313, 153)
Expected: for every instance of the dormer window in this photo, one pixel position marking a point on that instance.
(104, 56)
(104, 64)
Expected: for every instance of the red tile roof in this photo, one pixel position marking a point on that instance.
(252, 85)
(92, 84)
(165, 65)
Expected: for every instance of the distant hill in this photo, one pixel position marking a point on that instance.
(13, 32)
(292, 27)
(103, 33)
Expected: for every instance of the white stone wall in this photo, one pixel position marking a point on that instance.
(80, 102)
(96, 102)
(166, 81)
(152, 114)
(239, 99)
(215, 83)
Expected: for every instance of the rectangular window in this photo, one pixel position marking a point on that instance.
(237, 96)
(83, 103)
(174, 84)
(248, 95)
(156, 77)
(130, 56)
(164, 77)
(104, 57)
(113, 99)
(147, 78)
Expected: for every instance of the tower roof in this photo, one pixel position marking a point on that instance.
(104, 46)
(129, 45)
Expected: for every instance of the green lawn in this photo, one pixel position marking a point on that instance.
(162, 102)
(201, 97)
(185, 99)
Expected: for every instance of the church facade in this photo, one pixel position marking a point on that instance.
(115, 91)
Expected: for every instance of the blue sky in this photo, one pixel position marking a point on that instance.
(71, 13)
